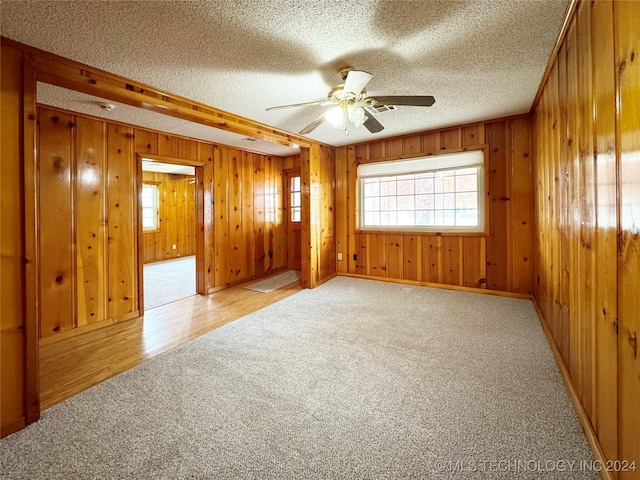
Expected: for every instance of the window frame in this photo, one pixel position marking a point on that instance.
(440, 230)
(157, 205)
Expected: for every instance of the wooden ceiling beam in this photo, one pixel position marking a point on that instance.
(73, 75)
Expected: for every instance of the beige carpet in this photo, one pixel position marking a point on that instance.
(354, 379)
(274, 283)
(169, 280)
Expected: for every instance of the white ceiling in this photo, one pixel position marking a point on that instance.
(150, 165)
(481, 59)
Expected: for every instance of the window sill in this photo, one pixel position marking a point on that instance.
(433, 233)
(157, 230)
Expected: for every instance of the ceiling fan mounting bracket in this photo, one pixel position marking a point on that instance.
(344, 71)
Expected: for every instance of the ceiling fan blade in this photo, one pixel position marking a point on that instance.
(321, 102)
(312, 126)
(356, 81)
(409, 100)
(371, 124)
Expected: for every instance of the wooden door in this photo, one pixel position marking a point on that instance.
(293, 215)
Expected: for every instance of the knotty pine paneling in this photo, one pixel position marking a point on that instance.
(318, 180)
(57, 268)
(248, 210)
(500, 261)
(587, 211)
(627, 62)
(88, 175)
(177, 218)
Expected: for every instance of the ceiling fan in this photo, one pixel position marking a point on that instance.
(350, 100)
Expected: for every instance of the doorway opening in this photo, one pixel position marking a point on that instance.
(168, 207)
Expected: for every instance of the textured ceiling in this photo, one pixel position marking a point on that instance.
(481, 59)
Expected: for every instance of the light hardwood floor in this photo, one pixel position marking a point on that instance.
(70, 366)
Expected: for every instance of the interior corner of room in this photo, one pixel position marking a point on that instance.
(120, 229)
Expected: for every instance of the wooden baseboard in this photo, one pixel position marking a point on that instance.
(326, 279)
(589, 431)
(7, 430)
(484, 291)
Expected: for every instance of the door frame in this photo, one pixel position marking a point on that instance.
(201, 288)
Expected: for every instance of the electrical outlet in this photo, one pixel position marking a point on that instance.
(355, 257)
(174, 246)
(339, 257)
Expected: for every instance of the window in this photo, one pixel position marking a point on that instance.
(439, 193)
(296, 201)
(150, 207)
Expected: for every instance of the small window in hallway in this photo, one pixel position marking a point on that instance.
(296, 201)
(150, 207)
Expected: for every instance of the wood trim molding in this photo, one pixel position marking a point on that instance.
(589, 432)
(568, 16)
(172, 160)
(31, 241)
(444, 286)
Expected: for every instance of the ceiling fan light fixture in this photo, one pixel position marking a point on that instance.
(356, 115)
(335, 116)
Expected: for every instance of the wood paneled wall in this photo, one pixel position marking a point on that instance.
(248, 212)
(89, 216)
(319, 213)
(499, 261)
(587, 211)
(176, 215)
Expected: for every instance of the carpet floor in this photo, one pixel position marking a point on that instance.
(169, 280)
(353, 379)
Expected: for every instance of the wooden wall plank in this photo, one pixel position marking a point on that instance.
(451, 139)
(627, 62)
(474, 261)
(586, 212)
(91, 260)
(412, 257)
(278, 228)
(234, 200)
(352, 214)
(521, 221)
(221, 210)
(432, 259)
(57, 289)
(248, 245)
(605, 243)
(378, 255)
(452, 260)
(146, 141)
(498, 252)
(394, 255)
(342, 212)
(259, 218)
(167, 145)
(205, 155)
(122, 222)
